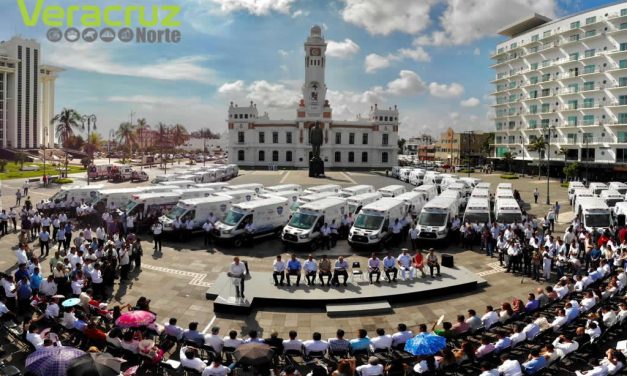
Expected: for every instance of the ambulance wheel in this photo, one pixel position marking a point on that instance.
(238, 241)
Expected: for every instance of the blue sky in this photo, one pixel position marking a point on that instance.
(430, 57)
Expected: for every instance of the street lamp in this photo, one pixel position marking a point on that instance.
(548, 162)
(44, 146)
(522, 149)
(89, 119)
(111, 134)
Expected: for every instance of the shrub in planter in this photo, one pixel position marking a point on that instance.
(509, 177)
(64, 181)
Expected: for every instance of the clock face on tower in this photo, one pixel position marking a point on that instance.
(315, 51)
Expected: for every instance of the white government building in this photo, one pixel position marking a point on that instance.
(26, 95)
(569, 76)
(257, 141)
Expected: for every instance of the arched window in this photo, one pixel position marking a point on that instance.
(275, 156)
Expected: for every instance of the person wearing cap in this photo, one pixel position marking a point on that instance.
(373, 367)
(432, 261)
(214, 341)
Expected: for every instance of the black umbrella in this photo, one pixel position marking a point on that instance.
(254, 354)
(95, 364)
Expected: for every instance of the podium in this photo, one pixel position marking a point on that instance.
(316, 167)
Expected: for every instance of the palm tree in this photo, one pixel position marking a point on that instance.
(94, 143)
(66, 121)
(141, 128)
(126, 135)
(179, 135)
(539, 145)
(508, 158)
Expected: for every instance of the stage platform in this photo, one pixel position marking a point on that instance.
(260, 291)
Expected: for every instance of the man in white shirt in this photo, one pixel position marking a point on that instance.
(382, 342)
(190, 360)
(22, 257)
(293, 344)
(34, 338)
(216, 369)
(316, 344)
(559, 320)
(278, 270)
(212, 219)
(518, 335)
(565, 345)
(214, 340)
(588, 302)
(374, 268)
(231, 341)
(310, 268)
(48, 287)
(401, 336)
(373, 368)
(404, 264)
(207, 228)
(509, 367)
(489, 318)
(237, 272)
(597, 369)
(487, 370)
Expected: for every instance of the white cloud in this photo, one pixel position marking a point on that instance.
(300, 13)
(283, 95)
(409, 83)
(454, 116)
(476, 51)
(342, 49)
(283, 53)
(374, 62)
(254, 7)
(231, 87)
(382, 17)
(445, 91)
(464, 21)
(470, 102)
(91, 58)
(155, 101)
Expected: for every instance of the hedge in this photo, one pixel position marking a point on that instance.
(64, 181)
(509, 177)
(564, 184)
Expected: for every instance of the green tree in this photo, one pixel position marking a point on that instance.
(20, 158)
(179, 135)
(538, 145)
(571, 170)
(487, 145)
(508, 159)
(401, 145)
(86, 161)
(126, 135)
(65, 123)
(141, 128)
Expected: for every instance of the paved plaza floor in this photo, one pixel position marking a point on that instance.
(176, 281)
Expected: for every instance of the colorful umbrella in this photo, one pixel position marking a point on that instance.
(71, 302)
(95, 364)
(51, 361)
(425, 344)
(254, 354)
(134, 319)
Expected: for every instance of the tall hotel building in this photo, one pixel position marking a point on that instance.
(26, 96)
(366, 142)
(566, 79)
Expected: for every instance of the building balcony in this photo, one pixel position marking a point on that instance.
(616, 105)
(616, 53)
(589, 140)
(617, 18)
(500, 79)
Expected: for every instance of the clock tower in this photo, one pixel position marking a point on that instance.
(314, 88)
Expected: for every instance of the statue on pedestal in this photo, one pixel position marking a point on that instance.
(316, 165)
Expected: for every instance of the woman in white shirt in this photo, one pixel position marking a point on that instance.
(129, 343)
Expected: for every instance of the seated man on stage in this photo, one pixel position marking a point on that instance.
(278, 267)
(310, 268)
(389, 266)
(340, 269)
(293, 268)
(432, 261)
(324, 267)
(374, 267)
(404, 264)
(419, 263)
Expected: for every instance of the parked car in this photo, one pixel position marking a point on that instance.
(139, 176)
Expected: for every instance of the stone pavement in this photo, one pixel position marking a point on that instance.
(176, 281)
